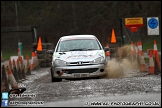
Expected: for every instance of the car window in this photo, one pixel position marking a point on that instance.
(78, 44)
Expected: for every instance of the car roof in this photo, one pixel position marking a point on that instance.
(71, 37)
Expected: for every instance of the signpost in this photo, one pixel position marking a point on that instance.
(153, 26)
(134, 23)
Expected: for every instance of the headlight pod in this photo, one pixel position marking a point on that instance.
(98, 60)
(60, 62)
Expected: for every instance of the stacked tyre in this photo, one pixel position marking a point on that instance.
(44, 58)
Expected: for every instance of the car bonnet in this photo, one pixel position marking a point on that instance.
(78, 55)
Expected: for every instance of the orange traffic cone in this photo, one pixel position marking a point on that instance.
(12, 82)
(133, 53)
(156, 55)
(155, 47)
(113, 37)
(39, 47)
(15, 71)
(151, 64)
(142, 62)
(19, 70)
(32, 65)
(22, 68)
(107, 53)
(132, 49)
(11, 79)
(10, 65)
(157, 61)
(28, 72)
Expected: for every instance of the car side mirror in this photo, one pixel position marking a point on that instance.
(50, 52)
(106, 49)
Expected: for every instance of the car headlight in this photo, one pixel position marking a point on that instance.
(60, 62)
(98, 60)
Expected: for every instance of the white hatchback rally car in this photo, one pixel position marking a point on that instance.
(77, 56)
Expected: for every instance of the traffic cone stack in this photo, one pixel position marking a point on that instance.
(32, 65)
(12, 81)
(27, 72)
(15, 71)
(107, 53)
(151, 64)
(4, 79)
(156, 55)
(19, 70)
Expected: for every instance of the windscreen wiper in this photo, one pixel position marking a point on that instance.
(91, 49)
(61, 53)
(82, 49)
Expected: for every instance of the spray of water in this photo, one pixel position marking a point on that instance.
(123, 64)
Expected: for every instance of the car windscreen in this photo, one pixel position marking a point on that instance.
(78, 45)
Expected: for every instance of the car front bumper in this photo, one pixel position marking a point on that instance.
(86, 71)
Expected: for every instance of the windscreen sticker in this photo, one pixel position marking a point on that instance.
(79, 52)
(80, 57)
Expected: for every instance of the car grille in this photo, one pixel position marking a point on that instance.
(90, 70)
(79, 63)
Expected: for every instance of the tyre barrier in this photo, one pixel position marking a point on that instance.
(43, 55)
(44, 46)
(42, 63)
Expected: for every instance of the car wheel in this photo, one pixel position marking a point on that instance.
(54, 79)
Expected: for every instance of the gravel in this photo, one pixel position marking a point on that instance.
(39, 83)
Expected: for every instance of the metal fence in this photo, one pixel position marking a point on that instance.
(11, 36)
